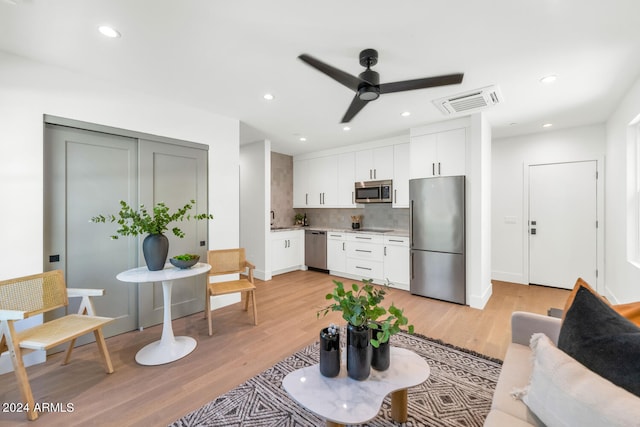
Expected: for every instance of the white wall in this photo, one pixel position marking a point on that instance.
(255, 200)
(622, 277)
(28, 90)
(510, 159)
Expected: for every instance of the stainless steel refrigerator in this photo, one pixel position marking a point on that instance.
(436, 227)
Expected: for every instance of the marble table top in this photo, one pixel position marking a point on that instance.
(168, 273)
(347, 401)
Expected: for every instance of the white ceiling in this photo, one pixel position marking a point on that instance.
(222, 56)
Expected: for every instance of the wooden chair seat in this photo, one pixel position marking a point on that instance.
(59, 331)
(28, 296)
(230, 261)
(223, 288)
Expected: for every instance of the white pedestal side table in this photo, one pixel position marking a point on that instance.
(342, 400)
(169, 348)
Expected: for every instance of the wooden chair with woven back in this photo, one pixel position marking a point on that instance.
(28, 296)
(230, 261)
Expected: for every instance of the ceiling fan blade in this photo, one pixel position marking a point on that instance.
(340, 76)
(449, 79)
(356, 105)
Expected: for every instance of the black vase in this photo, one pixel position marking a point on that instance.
(381, 357)
(358, 352)
(155, 248)
(329, 353)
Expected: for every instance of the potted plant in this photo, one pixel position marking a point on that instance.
(330, 351)
(298, 219)
(361, 308)
(155, 246)
(382, 331)
(358, 306)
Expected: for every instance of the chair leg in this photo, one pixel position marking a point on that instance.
(246, 300)
(255, 309)
(207, 301)
(102, 347)
(67, 357)
(18, 366)
(209, 313)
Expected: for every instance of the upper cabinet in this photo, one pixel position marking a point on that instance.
(374, 164)
(346, 180)
(323, 182)
(401, 175)
(438, 154)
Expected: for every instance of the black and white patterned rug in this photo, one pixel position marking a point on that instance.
(458, 392)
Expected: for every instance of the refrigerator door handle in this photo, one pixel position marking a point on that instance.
(413, 276)
(411, 223)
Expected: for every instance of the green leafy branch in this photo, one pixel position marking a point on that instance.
(133, 223)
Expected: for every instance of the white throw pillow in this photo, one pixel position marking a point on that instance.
(563, 392)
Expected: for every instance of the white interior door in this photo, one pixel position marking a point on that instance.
(563, 223)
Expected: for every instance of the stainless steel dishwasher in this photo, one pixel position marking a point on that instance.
(315, 249)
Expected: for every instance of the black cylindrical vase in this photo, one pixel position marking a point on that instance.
(358, 352)
(155, 248)
(329, 353)
(381, 357)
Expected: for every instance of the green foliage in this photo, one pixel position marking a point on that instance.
(186, 257)
(361, 306)
(133, 223)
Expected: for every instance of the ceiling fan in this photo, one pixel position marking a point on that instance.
(367, 85)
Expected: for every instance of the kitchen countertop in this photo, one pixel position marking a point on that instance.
(404, 233)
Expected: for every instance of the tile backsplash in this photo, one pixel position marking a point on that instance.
(380, 215)
(282, 189)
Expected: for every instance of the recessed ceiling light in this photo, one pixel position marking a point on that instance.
(549, 79)
(268, 96)
(108, 31)
(406, 114)
(303, 139)
(547, 125)
(346, 128)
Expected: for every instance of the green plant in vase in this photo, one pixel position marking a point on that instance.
(136, 222)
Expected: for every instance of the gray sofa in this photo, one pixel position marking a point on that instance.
(516, 370)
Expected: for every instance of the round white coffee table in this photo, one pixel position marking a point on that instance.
(342, 400)
(169, 348)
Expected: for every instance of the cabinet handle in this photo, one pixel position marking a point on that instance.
(363, 268)
(353, 198)
(439, 173)
(385, 251)
(433, 168)
(306, 198)
(370, 173)
(362, 250)
(343, 246)
(395, 196)
(363, 238)
(397, 241)
(375, 174)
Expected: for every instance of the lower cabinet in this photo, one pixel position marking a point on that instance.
(336, 252)
(357, 256)
(287, 251)
(396, 261)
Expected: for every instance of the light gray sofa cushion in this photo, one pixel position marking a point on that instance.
(563, 392)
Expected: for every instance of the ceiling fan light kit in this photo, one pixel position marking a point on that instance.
(367, 85)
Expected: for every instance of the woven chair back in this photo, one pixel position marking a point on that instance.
(226, 261)
(34, 294)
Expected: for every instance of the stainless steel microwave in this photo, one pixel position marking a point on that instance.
(374, 191)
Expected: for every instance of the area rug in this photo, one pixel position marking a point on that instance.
(458, 392)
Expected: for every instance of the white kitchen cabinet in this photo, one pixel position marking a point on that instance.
(300, 183)
(401, 176)
(315, 182)
(287, 251)
(346, 180)
(336, 252)
(374, 164)
(396, 261)
(438, 154)
(365, 258)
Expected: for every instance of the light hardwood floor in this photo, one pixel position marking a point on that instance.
(158, 395)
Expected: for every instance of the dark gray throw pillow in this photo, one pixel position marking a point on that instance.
(602, 340)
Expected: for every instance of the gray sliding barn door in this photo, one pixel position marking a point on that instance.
(87, 173)
(174, 175)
